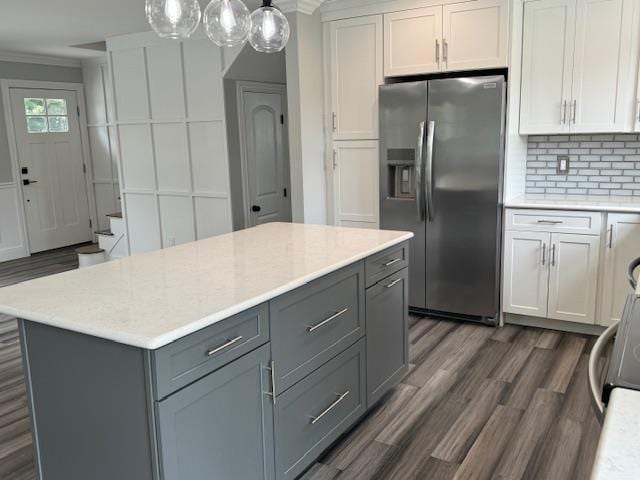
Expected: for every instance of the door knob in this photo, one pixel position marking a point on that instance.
(255, 208)
(26, 181)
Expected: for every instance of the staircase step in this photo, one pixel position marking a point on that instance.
(89, 249)
(106, 233)
(115, 215)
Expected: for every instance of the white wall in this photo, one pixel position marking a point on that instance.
(306, 114)
(103, 142)
(169, 116)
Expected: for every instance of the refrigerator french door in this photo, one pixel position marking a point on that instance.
(441, 162)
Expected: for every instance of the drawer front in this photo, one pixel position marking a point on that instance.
(314, 323)
(559, 221)
(316, 411)
(202, 352)
(385, 263)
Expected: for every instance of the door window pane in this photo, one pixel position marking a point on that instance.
(37, 124)
(56, 106)
(34, 106)
(58, 124)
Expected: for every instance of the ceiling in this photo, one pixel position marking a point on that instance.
(47, 27)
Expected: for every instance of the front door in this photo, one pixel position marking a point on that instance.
(267, 172)
(51, 165)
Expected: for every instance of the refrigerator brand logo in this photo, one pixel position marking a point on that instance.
(489, 85)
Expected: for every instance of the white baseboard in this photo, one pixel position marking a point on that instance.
(549, 323)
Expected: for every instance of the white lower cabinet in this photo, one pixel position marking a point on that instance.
(573, 277)
(551, 275)
(623, 246)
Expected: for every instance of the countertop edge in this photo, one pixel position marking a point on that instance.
(154, 343)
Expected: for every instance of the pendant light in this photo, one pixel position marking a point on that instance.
(227, 22)
(173, 18)
(269, 29)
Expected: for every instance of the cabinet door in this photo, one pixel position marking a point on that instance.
(526, 273)
(413, 41)
(220, 427)
(356, 72)
(603, 89)
(475, 34)
(573, 277)
(355, 183)
(387, 332)
(547, 60)
(623, 246)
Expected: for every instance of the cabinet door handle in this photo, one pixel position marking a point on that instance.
(437, 52)
(341, 397)
(312, 328)
(544, 253)
(550, 222)
(224, 346)
(575, 107)
(563, 119)
(610, 243)
(272, 371)
(394, 283)
(391, 262)
(553, 255)
(445, 50)
(333, 121)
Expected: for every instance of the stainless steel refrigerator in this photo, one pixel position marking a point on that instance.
(441, 169)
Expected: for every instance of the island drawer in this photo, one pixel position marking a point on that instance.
(384, 263)
(316, 411)
(194, 356)
(315, 322)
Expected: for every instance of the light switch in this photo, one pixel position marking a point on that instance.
(563, 165)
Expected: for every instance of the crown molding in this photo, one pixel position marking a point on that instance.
(302, 6)
(19, 57)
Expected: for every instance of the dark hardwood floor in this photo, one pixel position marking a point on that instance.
(478, 403)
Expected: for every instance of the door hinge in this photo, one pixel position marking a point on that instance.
(84, 168)
(285, 193)
(282, 119)
(90, 223)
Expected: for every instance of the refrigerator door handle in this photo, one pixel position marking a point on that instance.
(418, 174)
(429, 180)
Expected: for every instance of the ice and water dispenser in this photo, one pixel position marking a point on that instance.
(401, 175)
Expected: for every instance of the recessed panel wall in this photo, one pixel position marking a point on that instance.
(172, 143)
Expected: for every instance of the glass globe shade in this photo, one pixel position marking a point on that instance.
(269, 29)
(227, 22)
(173, 18)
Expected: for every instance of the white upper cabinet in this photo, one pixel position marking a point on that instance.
(573, 277)
(547, 66)
(623, 241)
(355, 61)
(578, 67)
(475, 35)
(602, 65)
(413, 41)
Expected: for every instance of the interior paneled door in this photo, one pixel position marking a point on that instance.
(413, 41)
(266, 161)
(623, 242)
(602, 63)
(547, 66)
(526, 273)
(573, 277)
(50, 157)
(475, 34)
(356, 72)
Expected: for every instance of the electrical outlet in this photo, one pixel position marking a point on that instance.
(563, 165)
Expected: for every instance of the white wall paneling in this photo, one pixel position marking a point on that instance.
(12, 240)
(172, 139)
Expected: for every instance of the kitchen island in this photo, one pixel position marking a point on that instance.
(242, 356)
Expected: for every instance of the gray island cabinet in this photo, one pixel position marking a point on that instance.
(257, 395)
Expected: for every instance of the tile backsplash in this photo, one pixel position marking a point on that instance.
(598, 164)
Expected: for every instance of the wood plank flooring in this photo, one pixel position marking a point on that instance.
(478, 403)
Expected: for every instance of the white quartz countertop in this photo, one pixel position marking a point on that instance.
(618, 455)
(152, 299)
(576, 202)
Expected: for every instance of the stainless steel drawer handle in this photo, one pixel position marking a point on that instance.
(394, 283)
(550, 222)
(391, 262)
(233, 341)
(594, 386)
(340, 398)
(311, 328)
